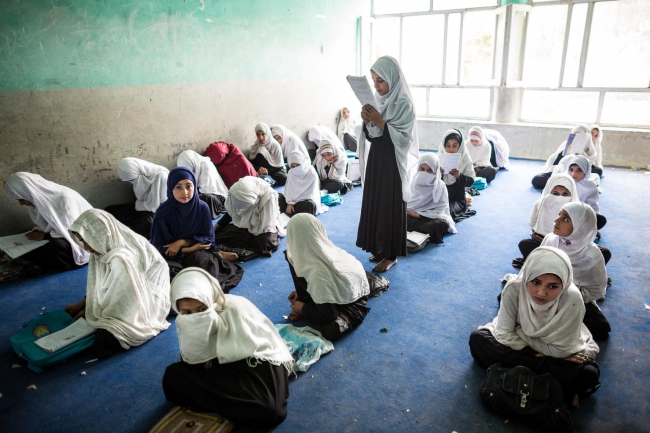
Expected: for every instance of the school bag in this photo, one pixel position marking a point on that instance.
(518, 393)
(331, 199)
(480, 183)
(40, 326)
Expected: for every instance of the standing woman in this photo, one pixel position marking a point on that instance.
(150, 188)
(459, 178)
(210, 186)
(52, 208)
(233, 360)
(390, 165)
(266, 155)
(230, 162)
(182, 232)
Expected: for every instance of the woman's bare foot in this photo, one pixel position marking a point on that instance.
(576, 402)
(293, 316)
(384, 265)
(373, 259)
(229, 257)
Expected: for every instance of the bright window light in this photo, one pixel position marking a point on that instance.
(419, 95)
(399, 7)
(440, 5)
(422, 46)
(453, 48)
(574, 47)
(629, 108)
(459, 102)
(385, 38)
(560, 107)
(478, 44)
(544, 45)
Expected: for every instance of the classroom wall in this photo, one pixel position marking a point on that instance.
(84, 84)
(621, 147)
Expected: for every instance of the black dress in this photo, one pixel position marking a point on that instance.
(305, 206)
(457, 202)
(382, 225)
(138, 221)
(233, 236)
(56, 255)
(436, 228)
(255, 397)
(335, 319)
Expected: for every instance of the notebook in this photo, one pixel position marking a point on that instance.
(416, 237)
(17, 245)
(60, 339)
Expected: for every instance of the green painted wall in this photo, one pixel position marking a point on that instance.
(516, 2)
(84, 43)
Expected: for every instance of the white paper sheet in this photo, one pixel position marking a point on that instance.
(66, 336)
(17, 245)
(449, 161)
(284, 219)
(363, 91)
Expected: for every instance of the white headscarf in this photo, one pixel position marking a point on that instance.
(548, 206)
(290, 141)
(318, 133)
(208, 180)
(582, 145)
(598, 145)
(553, 329)
(398, 111)
(302, 181)
(587, 189)
(149, 182)
(128, 283)
(429, 196)
(337, 169)
(480, 154)
(501, 148)
(465, 165)
(55, 206)
(270, 149)
(253, 205)
(589, 272)
(346, 125)
(333, 276)
(231, 329)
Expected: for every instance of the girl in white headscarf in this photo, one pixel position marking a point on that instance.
(52, 208)
(387, 170)
(345, 130)
(252, 207)
(266, 155)
(459, 178)
(331, 285)
(501, 147)
(318, 133)
(233, 360)
(331, 164)
(559, 190)
(539, 326)
(574, 232)
(301, 193)
(428, 210)
(127, 295)
(289, 141)
(209, 183)
(597, 136)
(580, 145)
(482, 153)
(150, 188)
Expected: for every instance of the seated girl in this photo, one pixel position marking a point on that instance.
(428, 210)
(580, 145)
(233, 360)
(52, 208)
(597, 139)
(252, 207)
(302, 192)
(559, 190)
(150, 188)
(459, 178)
(318, 133)
(289, 141)
(573, 233)
(345, 130)
(266, 155)
(182, 232)
(539, 326)
(127, 295)
(210, 186)
(331, 285)
(332, 165)
(482, 153)
(231, 164)
(501, 147)
(579, 168)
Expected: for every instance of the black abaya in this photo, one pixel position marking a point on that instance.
(305, 206)
(138, 221)
(254, 397)
(457, 201)
(56, 255)
(436, 228)
(382, 225)
(233, 236)
(227, 273)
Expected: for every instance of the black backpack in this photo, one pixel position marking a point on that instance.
(535, 400)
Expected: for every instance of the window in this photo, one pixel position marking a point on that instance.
(423, 40)
(399, 7)
(385, 38)
(478, 43)
(458, 102)
(544, 44)
(561, 107)
(626, 109)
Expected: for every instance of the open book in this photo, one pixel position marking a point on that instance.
(18, 245)
(58, 340)
(416, 237)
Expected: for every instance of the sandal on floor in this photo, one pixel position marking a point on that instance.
(374, 259)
